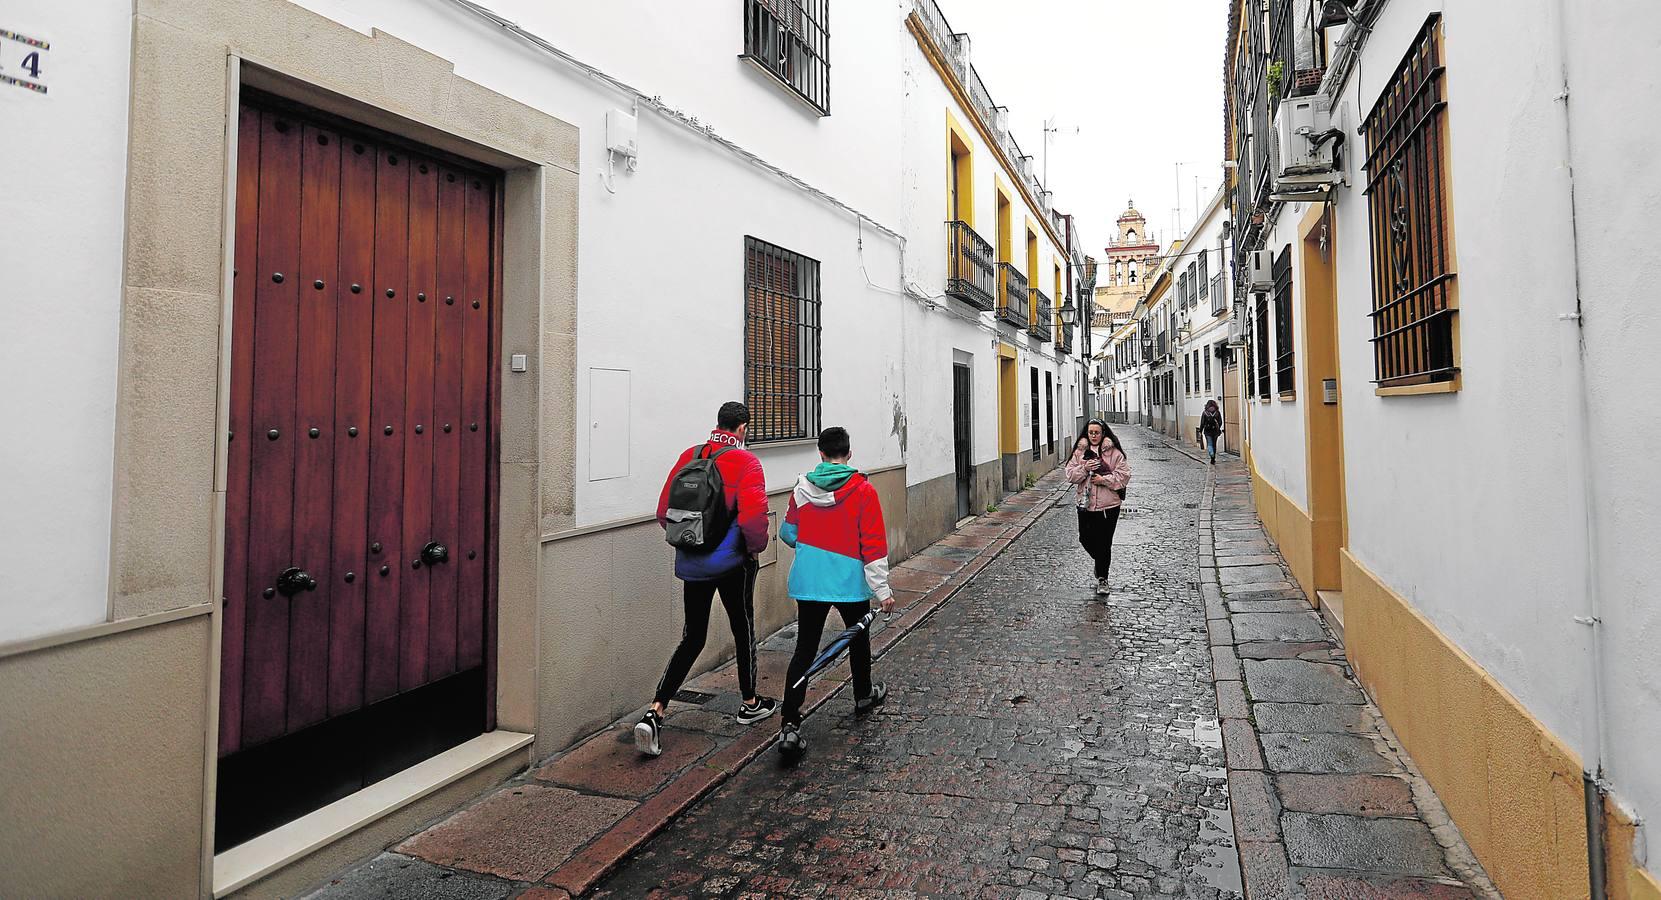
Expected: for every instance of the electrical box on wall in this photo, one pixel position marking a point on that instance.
(623, 133)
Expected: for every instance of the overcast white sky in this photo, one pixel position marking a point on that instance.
(1134, 85)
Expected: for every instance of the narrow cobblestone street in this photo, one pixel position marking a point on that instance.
(1036, 741)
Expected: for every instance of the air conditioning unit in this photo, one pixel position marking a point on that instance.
(1306, 143)
(1262, 271)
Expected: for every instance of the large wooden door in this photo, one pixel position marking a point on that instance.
(357, 544)
(1231, 403)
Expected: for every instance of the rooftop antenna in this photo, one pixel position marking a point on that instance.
(1051, 128)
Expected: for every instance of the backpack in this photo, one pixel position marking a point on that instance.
(698, 515)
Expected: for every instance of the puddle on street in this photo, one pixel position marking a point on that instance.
(1218, 864)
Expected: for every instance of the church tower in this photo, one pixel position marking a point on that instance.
(1131, 257)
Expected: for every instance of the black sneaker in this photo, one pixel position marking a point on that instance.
(749, 715)
(877, 697)
(646, 734)
(790, 741)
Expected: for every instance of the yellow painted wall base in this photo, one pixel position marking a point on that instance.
(1291, 529)
(1627, 880)
(1512, 787)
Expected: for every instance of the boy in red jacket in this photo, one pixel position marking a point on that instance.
(835, 524)
(729, 569)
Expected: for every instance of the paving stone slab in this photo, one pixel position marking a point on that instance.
(1256, 806)
(1308, 718)
(1385, 846)
(1267, 877)
(520, 834)
(1229, 560)
(1322, 753)
(1317, 884)
(608, 763)
(1298, 681)
(1286, 626)
(1279, 649)
(1241, 575)
(1357, 795)
(393, 876)
(1276, 589)
(1269, 606)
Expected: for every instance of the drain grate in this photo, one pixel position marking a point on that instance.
(696, 698)
(1190, 506)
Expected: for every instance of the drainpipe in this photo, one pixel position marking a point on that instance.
(1594, 727)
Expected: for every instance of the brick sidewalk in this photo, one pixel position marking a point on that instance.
(1326, 803)
(556, 830)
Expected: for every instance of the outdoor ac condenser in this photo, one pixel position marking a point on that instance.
(1262, 271)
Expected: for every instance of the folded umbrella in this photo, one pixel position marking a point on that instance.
(834, 650)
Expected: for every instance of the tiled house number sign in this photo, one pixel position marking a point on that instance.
(23, 61)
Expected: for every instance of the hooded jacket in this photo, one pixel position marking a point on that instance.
(745, 487)
(1094, 497)
(835, 524)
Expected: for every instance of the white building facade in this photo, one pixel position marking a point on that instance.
(1449, 399)
(502, 269)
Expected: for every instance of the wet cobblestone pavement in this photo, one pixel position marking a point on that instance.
(1037, 741)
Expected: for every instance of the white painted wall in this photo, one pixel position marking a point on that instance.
(62, 184)
(1614, 69)
(661, 260)
(1277, 436)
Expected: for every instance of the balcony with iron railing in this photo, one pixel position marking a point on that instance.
(1043, 317)
(971, 272)
(1065, 342)
(1012, 295)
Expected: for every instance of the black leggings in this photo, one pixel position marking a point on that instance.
(1095, 532)
(810, 627)
(737, 590)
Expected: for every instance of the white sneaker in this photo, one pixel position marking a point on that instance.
(1101, 587)
(646, 734)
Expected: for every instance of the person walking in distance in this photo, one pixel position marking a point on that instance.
(835, 524)
(1101, 473)
(714, 512)
(1211, 425)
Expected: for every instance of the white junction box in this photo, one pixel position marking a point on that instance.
(623, 133)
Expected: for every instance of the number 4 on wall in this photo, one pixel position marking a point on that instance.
(31, 64)
(28, 72)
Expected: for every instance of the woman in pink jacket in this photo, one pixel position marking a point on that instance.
(1101, 472)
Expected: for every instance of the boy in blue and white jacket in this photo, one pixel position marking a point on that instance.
(835, 524)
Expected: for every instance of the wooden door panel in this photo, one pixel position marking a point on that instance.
(387, 431)
(351, 571)
(308, 657)
(418, 417)
(244, 277)
(472, 554)
(361, 423)
(450, 302)
(271, 506)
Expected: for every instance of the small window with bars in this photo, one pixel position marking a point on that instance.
(1414, 294)
(1285, 347)
(790, 40)
(781, 342)
(1261, 330)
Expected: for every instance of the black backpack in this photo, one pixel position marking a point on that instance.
(698, 515)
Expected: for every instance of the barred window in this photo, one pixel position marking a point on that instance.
(1285, 347)
(781, 342)
(1414, 298)
(790, 39)
(1262, 332)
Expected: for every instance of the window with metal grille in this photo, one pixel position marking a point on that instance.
(781, 342)
(1262, 331)
(1204, 278)
(790, 40)
(1210, 351)
(1286, 349)
(1414, 294)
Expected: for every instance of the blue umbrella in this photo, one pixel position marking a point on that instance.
(834, 650)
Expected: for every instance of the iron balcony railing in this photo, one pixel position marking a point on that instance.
(1012, 295)
(971, 272)
(1043, 317)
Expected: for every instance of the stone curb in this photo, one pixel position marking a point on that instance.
(594, 861)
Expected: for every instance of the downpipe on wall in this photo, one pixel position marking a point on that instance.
(1594, 729)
